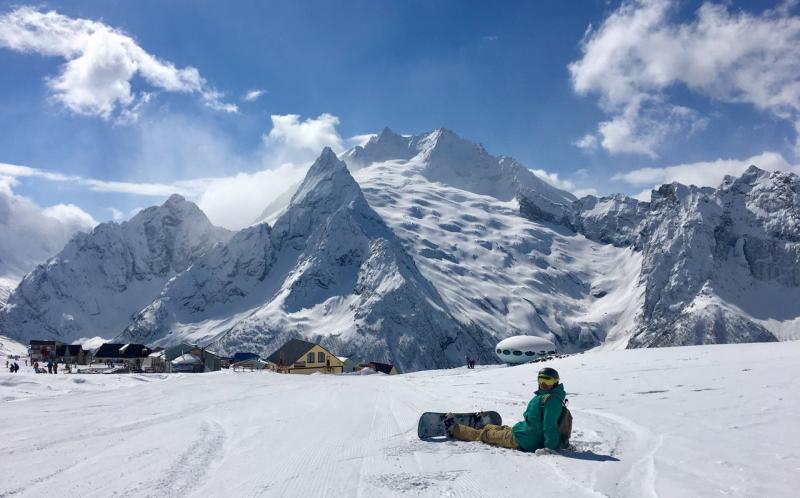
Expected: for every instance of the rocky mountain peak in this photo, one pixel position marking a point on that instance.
(327, 187)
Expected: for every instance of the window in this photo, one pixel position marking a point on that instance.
(499, 351)
(529, 353)
(505, 351)
(517, 353)
(320, 357)
(310, 358)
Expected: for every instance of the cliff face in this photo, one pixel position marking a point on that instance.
(94, 285)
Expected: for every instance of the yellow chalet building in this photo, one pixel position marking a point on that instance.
(301, 357)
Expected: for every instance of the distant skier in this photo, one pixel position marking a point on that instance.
(538, 432)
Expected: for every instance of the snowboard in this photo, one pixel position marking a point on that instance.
(431, 424)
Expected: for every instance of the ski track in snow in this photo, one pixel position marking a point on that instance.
(666, 422)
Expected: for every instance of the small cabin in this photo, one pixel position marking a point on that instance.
(185, 357)
(348, 365)
(302, 357)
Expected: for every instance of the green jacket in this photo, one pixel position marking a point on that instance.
(538, 431)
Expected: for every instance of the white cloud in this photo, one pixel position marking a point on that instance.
(586, 142)
(359, 140)
(303, 140)
(149, 189)
(71, 215)
(101, 62)
(553, 179)
(639, 53)
(253, 95)
(31, 234)
(583, 192)
(704, 173)
(564, 184)
(233, 201)
(116, 214)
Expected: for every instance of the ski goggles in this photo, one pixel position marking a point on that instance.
(547, 380)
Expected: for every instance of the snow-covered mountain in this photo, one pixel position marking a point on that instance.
(93, 286)
(711, 265)
(28, 236)
(446, 158)
(722, 265)
(434, 249)
(330, 270)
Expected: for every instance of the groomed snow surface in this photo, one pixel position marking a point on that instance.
(690, 421)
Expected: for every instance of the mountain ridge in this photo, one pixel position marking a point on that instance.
(433, 249)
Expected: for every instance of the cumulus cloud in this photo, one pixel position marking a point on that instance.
(253, 95)
(586, 142)
(31, 234)
(640, 52)
(71, 215)
(101, 62)
(302, 140)
(703, 174)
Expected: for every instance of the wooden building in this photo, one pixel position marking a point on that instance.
(43, 350)
(302, 357)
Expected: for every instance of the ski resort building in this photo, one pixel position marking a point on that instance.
(131, 355)
(72, 353)
(348, 365)
(185, 357)
(301, 357)
(43, 350)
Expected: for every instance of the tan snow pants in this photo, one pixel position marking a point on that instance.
(497, 435)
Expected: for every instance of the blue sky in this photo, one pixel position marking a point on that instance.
(655, 91)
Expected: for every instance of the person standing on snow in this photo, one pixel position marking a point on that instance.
(537, 432)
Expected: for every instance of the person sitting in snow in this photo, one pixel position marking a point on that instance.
(537, 432)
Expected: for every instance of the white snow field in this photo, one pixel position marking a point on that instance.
(689, 421)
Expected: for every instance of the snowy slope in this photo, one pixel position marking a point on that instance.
(446, 158)
(706, 265)
(506, 274)
(677, 422)
(10, 347)
(93, 286)
(330, 270)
